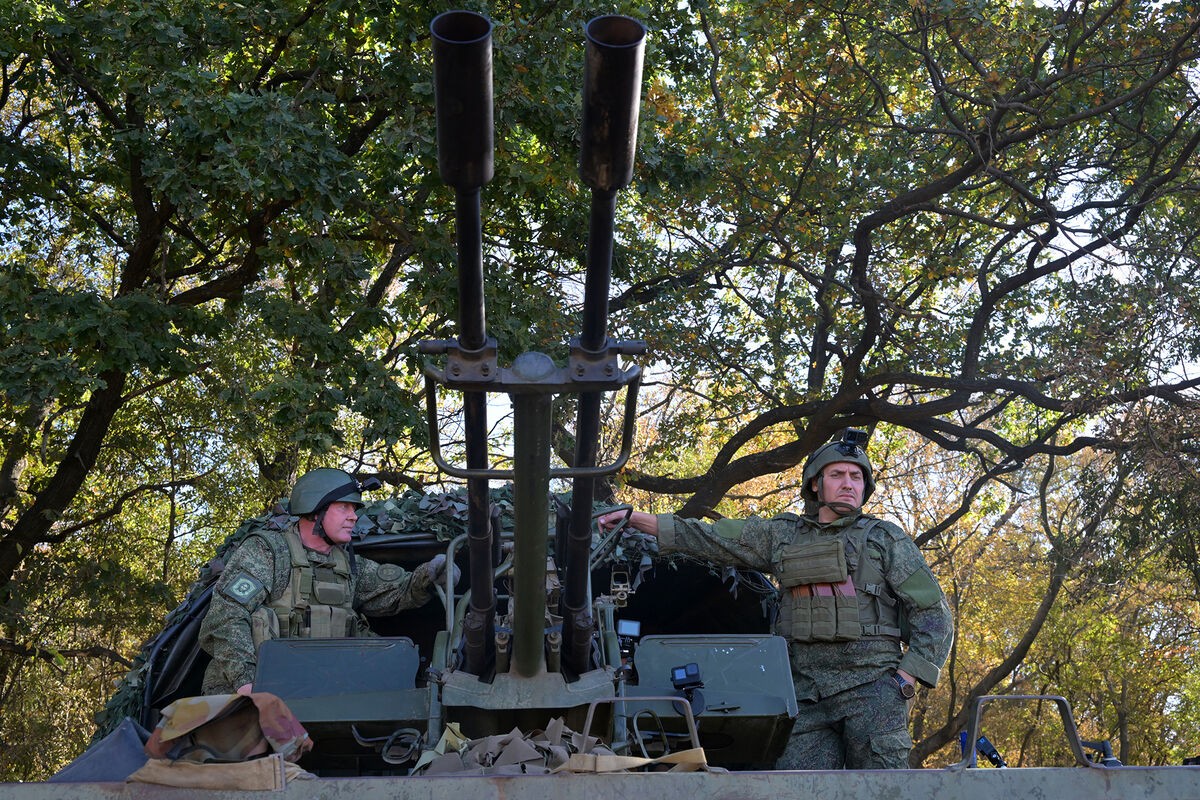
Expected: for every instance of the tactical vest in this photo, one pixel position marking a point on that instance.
(831, 590)
(318, 602)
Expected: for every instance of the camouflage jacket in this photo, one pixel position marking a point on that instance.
(821, 669)
(377, 590)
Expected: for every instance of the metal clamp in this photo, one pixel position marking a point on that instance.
(600, 365)
(474, 366)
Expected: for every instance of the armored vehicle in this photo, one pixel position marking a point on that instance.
(568, 640)
(552, 621)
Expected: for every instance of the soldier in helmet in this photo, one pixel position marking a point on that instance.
(864, 617)
(303, 582)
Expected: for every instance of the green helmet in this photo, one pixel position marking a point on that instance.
(849, 448)
(317, 489)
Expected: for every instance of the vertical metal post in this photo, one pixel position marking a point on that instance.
(531, 476)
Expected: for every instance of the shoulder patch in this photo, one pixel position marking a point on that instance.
(390, 572)
(243, 588)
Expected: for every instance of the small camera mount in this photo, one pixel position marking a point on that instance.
(687, 682)
(852, 442)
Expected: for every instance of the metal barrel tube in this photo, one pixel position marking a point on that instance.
(472, 314)
(594, 332)
(611, 99)
(462, 65)
(481, 615)
(462, 85)
(462, 78)
(576, 611)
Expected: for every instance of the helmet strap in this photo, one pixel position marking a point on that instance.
(319, 528)
(841, 509)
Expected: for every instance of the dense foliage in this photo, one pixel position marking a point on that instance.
(968, 225)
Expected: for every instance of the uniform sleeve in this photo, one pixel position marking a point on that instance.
(226, 632)
(384, 589)
(930, 622)
(748, 543)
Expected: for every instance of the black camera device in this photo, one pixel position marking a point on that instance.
(853, 440)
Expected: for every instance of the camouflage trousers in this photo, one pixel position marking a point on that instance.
(865, 727)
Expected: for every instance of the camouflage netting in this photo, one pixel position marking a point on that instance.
(444, 515)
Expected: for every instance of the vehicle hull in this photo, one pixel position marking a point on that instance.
(1124, 783)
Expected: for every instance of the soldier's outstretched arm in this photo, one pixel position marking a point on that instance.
(745, 543)
(385, 589)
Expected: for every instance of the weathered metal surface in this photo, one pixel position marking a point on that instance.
(1127, 783)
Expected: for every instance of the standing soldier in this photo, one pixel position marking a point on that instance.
(303, 582)
(863, 614)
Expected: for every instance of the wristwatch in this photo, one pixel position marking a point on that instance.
(907, 690)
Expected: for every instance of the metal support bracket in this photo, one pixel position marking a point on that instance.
(1064, 710)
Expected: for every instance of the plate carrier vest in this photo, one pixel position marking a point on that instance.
(831, 590)
(318, 602)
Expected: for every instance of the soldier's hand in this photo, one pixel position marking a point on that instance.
(606, 522)
(437, 570)
(637, 521)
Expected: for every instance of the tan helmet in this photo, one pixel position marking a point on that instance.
(851, 448)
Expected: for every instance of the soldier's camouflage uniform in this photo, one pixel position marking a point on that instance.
(852, 714)
(226, 633)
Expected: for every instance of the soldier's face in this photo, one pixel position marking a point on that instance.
(841, 482)
(339, 521)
